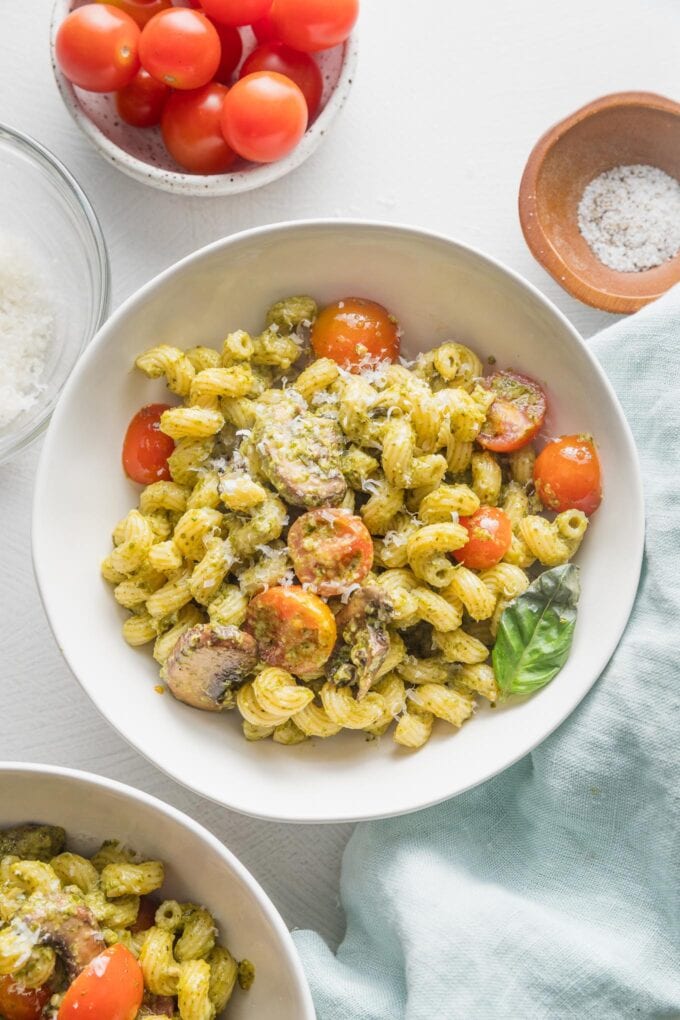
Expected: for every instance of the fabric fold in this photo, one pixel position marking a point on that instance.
(552, 890)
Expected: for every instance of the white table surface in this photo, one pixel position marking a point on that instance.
(436, 132)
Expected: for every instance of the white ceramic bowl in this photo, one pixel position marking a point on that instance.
(198, 869)
(141, 154)
(438, 289)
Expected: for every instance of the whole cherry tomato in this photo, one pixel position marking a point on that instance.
(140, 103)
(111, 987)
(192, 130)
(20, 1003)
(331, 549)
(231, 46)
(294, 629)
(264, 29)
(352, 329)
(181, 48)
(146, 449)
(490, 531)
(299, 67)
(264, 116)
(140, 11)
(236, 12)
(97, 48)
(311, 25)
(516, 414)
(568, 476)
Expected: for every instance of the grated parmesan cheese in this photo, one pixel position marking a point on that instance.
(27, 329)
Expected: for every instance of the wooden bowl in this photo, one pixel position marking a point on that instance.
(619, 129)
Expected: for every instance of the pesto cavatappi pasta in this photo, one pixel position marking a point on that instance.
(76, 932)
(328, 536)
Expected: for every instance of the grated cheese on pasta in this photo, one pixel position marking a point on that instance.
(27, 326)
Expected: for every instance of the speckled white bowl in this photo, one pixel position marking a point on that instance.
(140, 153)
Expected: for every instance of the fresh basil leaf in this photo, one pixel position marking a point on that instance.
(536, 631)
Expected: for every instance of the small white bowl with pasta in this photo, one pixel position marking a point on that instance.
(442, 293)
(103, 822)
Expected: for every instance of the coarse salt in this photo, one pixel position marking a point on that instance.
(27, 329)
(630, 217)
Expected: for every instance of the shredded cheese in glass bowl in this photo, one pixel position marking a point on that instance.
(54, 284)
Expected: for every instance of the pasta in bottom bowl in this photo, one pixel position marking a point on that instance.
(84, 919)
(441, 294)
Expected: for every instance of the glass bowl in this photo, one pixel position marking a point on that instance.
(43, 208)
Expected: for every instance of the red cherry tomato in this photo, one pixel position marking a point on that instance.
(516, 414)
(140, 11)
(299, 67)
(294, 629)
(19, 1003)
(231, 46)
(181, 48)
(311, 25)
(236, 12)
(568, 476)
(192, 130)
(490, 531)
(264, 116)
(352, 329)
(331, 549)
(146, 449)
(109, 988)
(264, 29)
(97, 48)
(142, 100)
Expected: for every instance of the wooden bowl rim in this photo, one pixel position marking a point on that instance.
(614, 299)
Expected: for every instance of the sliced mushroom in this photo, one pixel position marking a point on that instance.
(363, 640)
(32, 842)
(208, 664)
(71, 930)
(157, 1005)
(301, 458)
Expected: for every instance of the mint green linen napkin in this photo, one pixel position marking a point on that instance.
(552, 890)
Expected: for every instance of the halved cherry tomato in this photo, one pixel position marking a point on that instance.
(264, 29)
(146, 449)
(140, 103)
(331, 549)
(231, 46)
(192, 130)
(111, 987)
(181, 48)
(568, 476)
(353, 329)
(97, 48)
(236, 12)
(146, 914)
(140, 11)
(19, 1003)
(293, 629)
(299, 67)
(490, 531)
(516, 414)
(311, 25)
(264, 116)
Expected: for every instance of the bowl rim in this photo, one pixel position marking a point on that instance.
(205, 185)
(41, 492)
(42, 156)
(538, 241)
(93, 782)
